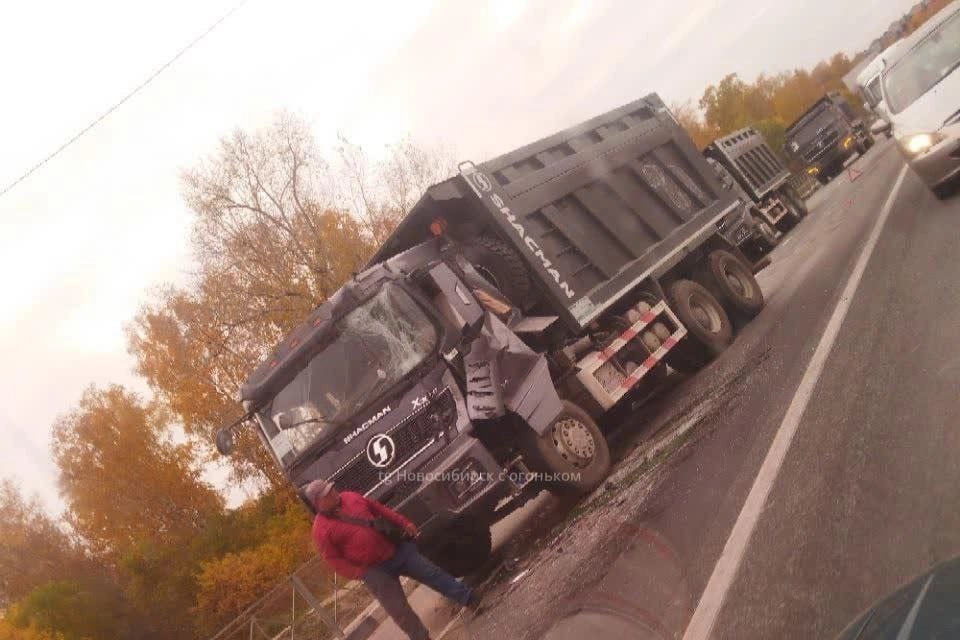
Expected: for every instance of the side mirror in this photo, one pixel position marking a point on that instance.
(880, 126)
(225, 441)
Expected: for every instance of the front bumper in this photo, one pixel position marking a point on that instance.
(444, 495)
(941, 163)
(832, 158)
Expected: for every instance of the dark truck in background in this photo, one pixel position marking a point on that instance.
(517, 303)
(747, 165)
(826, 136)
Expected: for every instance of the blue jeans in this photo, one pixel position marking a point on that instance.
(383, 581)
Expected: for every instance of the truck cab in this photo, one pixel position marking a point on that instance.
(827, 135)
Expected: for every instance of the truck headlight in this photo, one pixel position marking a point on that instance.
(848, 142)
(813, 170)
(920, 142)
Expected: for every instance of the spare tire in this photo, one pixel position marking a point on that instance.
(501, 266)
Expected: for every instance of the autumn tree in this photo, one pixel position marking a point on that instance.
(87, 608)
(278, 228)
(123, 477)
(694, 124)
(34, 548)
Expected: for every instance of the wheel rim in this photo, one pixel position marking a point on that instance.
(574, 441)
(705, 313)
(738, 281)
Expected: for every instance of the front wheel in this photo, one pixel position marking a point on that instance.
(572, 454)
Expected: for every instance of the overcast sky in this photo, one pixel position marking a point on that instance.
(84, 238)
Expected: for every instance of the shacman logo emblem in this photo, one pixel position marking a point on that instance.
(380, 450)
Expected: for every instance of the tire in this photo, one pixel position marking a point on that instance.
(798, 202)
(689, 356)
(823, 179)
(500, 265)
(572, 447)
(766, 237)
(702, 314)
(740, 293)
(462, 549)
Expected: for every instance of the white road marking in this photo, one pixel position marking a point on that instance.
(708, 609)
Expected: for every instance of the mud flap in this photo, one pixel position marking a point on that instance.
(503, 374)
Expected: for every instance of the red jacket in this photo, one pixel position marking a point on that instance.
(349, 548)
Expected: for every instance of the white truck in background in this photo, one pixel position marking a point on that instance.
(868, 82)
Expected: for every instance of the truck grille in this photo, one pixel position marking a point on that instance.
(815, 149)
(408, 438)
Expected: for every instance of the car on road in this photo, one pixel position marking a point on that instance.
(924, 608)
(921, 88)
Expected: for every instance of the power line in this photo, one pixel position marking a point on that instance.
(123, 100)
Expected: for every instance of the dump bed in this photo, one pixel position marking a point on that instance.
(746, 155)
(593, 209)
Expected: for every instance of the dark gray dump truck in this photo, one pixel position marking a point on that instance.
(518, 302)
(747, 165)
(826, 136)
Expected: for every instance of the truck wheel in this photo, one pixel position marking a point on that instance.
(462, 549)
(688, 356)
(702, 315)
(572, 451)
(823, 179)
(740, 292)
(501, 266)
(766, 237)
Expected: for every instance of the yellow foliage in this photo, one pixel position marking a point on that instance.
(124, 481)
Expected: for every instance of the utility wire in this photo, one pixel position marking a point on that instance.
(124, 99)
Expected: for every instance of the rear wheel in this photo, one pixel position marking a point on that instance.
(572, 453)
(462, 549)
(704, 317)
(740, 293)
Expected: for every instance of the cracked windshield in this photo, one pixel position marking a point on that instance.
(490, 320)
(372, 349)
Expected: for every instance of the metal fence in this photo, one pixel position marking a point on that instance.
(311, 603)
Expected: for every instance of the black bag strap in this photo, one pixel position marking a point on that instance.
(360, 522)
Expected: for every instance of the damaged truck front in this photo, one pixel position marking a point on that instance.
(466, 367)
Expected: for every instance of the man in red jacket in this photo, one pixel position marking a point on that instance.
(355, 551)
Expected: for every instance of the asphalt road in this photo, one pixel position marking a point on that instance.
(868, 492)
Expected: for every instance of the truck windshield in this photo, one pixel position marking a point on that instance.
(924, 66)
(372, 348)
